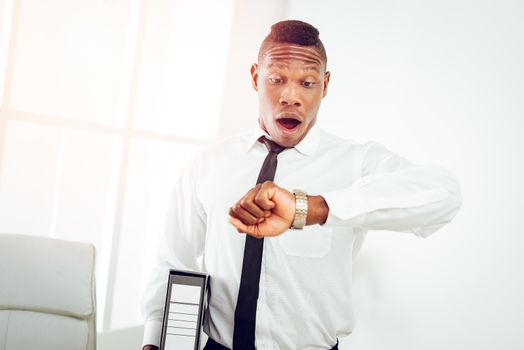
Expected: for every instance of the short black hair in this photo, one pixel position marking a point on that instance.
(293, 32)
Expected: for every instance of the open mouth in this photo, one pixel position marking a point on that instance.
(288, 123)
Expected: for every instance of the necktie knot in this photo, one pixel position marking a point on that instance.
(271, 146)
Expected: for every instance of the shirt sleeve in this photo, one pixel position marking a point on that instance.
(181, 247)
(395, 194)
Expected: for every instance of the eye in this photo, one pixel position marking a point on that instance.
(274, 80)
(308, 84)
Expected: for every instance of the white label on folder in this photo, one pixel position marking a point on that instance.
(183, 317)
(185, 294)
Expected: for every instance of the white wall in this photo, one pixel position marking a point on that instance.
(437, 81)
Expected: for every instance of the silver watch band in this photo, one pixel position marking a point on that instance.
(300, 210)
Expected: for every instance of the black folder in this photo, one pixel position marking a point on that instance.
(184, 310)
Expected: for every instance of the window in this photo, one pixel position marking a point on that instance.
(102, 103)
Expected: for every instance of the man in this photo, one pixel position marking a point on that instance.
(281, 264)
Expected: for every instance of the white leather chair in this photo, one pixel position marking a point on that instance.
(47, 294)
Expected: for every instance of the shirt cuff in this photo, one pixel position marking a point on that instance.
(152, 330)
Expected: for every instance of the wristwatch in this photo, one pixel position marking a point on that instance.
(300, 210)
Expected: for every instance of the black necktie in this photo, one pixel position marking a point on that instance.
(245, 312)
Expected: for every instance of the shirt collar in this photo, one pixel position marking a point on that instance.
(307, 146)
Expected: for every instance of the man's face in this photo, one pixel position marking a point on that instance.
(291, 81)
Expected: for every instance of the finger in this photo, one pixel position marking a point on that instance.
(248, 203)
(264, 197)
(239, 225)
(240, 213)
(251, 230)
(263, 201)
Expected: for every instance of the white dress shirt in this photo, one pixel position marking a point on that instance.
(305, 298)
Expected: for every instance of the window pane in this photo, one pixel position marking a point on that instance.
(69, 58)
(152, 171)
(181, 67)
(62, 183)
(30, 164)
(86, 185)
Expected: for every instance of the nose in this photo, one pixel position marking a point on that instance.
(289, 96)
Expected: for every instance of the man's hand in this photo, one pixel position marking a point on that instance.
(149, 347)
(265, 210)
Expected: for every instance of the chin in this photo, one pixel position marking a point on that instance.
(287, 141)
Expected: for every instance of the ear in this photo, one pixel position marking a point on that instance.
(327, 75)
(254, 76)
